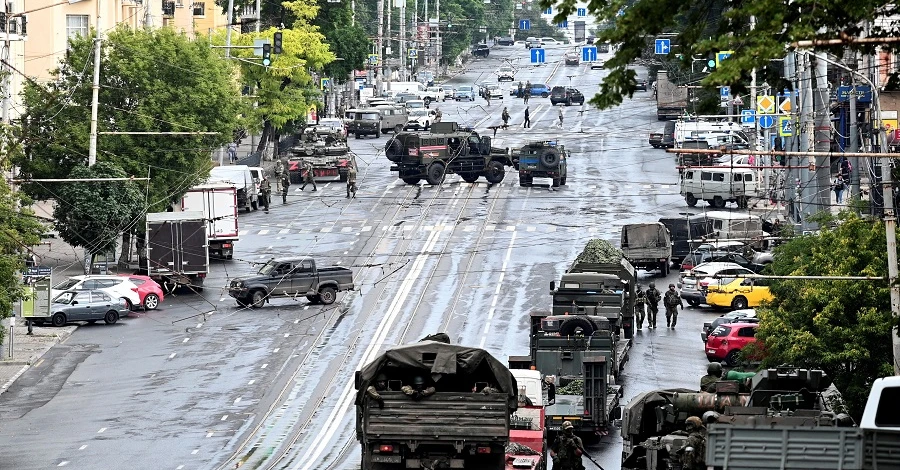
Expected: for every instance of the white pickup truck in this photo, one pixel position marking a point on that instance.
(432, 94)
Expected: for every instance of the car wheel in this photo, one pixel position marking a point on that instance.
(313, 299)
(58, 319)
(398, 129)
(692, 302)
(739, 303)
(111, 317)
(327, 295)
(356, 135)
(411, 180)
(690, 200)
(544, 94)
(151, 302)
(732, 358)
(718, 202)
(258, 299)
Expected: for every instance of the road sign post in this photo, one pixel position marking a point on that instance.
(589, 54)
(785, 126)
(662, 46)
(766, 121)
(537, 55)
(524, 25)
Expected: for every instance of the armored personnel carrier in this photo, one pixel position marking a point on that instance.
(542, 159)
(323, 148)
(447, 149)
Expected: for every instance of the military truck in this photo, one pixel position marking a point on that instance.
(459, 426)
(647, 246)
(446, 149)
(671, 99)
(782, 402)
(323, 148)
(542, 159)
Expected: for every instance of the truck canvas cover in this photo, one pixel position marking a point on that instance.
(445, 364)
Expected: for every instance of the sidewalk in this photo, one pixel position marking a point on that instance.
(27, 350)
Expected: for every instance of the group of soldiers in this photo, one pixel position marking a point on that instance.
(417, 391)
(284, 178)
(524, 92)
(646, 305)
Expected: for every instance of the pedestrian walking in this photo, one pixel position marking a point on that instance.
(560, 117)
(505, 117)
(519, 92)
(653, 297)
(567, 449)
(232, 152)
(285, 184)
(846, 167)
(266, 189)
(527, 122)
(351, 181)
(308, 177)
(487, 96)
(839, 186)
(672, 301)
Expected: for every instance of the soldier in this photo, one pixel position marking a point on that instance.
(550, 384)
(519, 91)
(693, 454)
(523, 399)
(418, 390)
(527, 122)
(713, 374)
(380, 386)
(560, 117)
(567, 449)
(285, 184)
(640, 307)
(672, 301)
(308, 177)
(437, 115)
(505, 117)
(351, 181)
(653, 298)
(266, 189)
(279, 168)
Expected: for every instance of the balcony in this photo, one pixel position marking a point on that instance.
(199, 8)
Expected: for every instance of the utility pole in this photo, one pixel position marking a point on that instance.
(403, 52)
(258, 15)
(822, 135)
(380, 43)
(389, 37)
(854, 138)
(7, 94)
(148, 16)
(95, 90)
(805, 135)
(439, 52)
(230, 21)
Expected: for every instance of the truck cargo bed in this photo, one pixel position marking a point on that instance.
(443, 417)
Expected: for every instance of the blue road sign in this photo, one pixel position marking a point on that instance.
(537, 56)
(785, 126)
(766, 121)
(725, 91)
(582, 12)
(563, 24)
(748, 116)
(663, 46)
(589, 54)
(524, 25)
(548, 11)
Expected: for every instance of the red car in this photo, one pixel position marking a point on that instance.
(726, 341)
(149, 291)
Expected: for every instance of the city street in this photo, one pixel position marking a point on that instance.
(202, 383)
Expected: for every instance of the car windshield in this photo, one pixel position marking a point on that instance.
(367, 116)
(330, 122)
(464, 88)
(269, 268)
(66, 285)
(418, 113)
(415, 104)
(64, 298)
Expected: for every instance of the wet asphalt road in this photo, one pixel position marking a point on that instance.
(203, 384)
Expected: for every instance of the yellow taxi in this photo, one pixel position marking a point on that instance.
(739, 293)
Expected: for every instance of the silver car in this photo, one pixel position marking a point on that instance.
(693, 286)
(86, 305)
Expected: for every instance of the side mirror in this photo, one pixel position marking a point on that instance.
(74, 302)
(552, 286)
(357, 378)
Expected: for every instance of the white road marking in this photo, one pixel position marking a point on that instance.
(83, 447)
(264, 366)
(275, 350)
(531, 228)
(251, 382)
(186, 340)
(199, 325)
(224, 418)
(510, 228)
(325, 229)
(209, 434)
(346, 229)
(490, 227)
(63, 463)
(179, 467)
(367, 228)
(243, 232)
(171, 356)
(101, 430)
(194, 452)
(236, 401)
(284, 231)
(263, 232)
(287, 335)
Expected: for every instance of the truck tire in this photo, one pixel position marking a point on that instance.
(690, 199)
(664, 269)
(570, 326)
(394, 150)
(257, 298)
(434, 174)
(556, 182)
(562, 181)
(469, 177)
(411, 180)
(327, 295)
(525, 181)
(242, 302)
(550, 158)
(111, 317)
(718, 202)
(495, 172)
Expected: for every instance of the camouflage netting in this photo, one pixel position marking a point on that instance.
(514, 448)
(599, 251)
(575, 387)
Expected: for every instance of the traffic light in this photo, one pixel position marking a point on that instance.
(276, 43)
(267, 54)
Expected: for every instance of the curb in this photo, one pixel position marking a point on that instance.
(26, 364)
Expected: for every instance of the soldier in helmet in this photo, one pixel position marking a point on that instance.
(417, 390)
(266, 189)
(285, 186)
(713, 375)
(672, 301)
(567, 449)
(379, 386)
(693, 453)
(308, 176)
(653, 297)
(640, 306)
(351, 181)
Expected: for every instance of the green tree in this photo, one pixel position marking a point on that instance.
(702, 27)
(91, 215)
(19, 230)
(151, 80)
(842, 327)
(347, 41)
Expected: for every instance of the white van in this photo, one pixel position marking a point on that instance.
(240, 177)
(718, 186)
(415, 88)
(738, 226)
(714, 133)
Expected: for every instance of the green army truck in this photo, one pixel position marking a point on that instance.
(446, 149)
(542, 159)
(464, 424)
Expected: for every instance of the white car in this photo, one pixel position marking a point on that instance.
(494, 91)
(416, 104)
(117, 287)
(420, 118)
(335, 124)
(550, 42)
(506, 73)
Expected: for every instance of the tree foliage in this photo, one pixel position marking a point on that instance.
(91, 215)
(19, 230)
(701, 27)
(151, 81)
(842, 327)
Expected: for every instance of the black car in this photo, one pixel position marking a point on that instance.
(481, 50)
(641, 85)
(505, 41)
(568, 96)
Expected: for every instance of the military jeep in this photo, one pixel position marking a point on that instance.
(543, 159)
(446, 149)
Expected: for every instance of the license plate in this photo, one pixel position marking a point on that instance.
(711, 351)
(386, 458)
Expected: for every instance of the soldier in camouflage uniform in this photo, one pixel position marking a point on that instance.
(713, 375)
(693, 454)
(640, 307)
(672, 301)
(418, 390)
(567, 449)
(379, 386)
(653, 298)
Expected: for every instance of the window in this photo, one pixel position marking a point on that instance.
(718, 176)
(747, 332)
(76, 25)
(748, 177)
(705, 176)
(199, 8)
(737, 176)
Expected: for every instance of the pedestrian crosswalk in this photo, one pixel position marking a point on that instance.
(511, 183)
(366, 228)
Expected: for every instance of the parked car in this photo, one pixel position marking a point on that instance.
(699, 257)
(726, 341)
(597, 64)
(464, 92)
(537, 89)
(85, 305)
(415, 104)
(736, 246)
(533, 42)
(493, 90)
(334, 125)
(550, 42)
(405, 96)
(506, 73)
(481, 50)
(448, 93)
(739, 293)
(150, 292)
(565, 95)
(420, 119)
(572, 58)
(744, 315)
(505, 41)
(115, 286)
(641, 85)
(694, 284)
